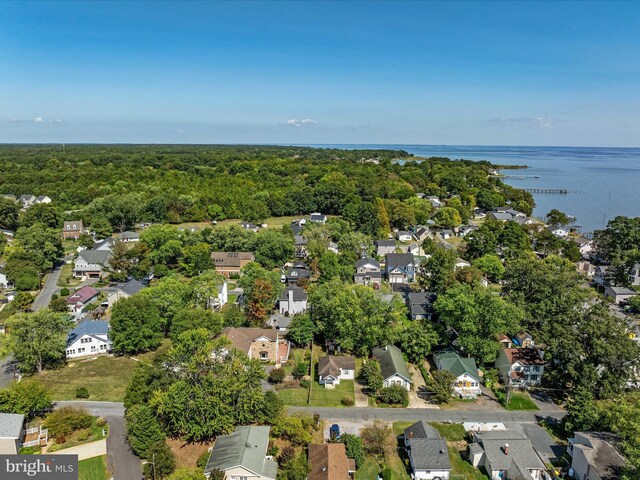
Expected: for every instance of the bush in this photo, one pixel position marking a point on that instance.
(386, 474)
(347, 402)
(84, 434)
(29, 451)
(64, 292)
(66, 420)
(394, 395)
(354, 447)
(82, 392)
(277, 375)
(305, 383)
(101, 422)
(165, 460)
(300, 370)
(203, 459)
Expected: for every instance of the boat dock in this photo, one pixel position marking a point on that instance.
(562, 191)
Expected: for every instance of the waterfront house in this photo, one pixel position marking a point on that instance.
(242, 455)
(393, 367)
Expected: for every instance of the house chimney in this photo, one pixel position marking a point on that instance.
(410, 434)
(506, 449)
(290, 299)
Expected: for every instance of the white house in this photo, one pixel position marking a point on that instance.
(318, 218)
(634, 275)
(558, 231)
(585, 245)
(427, 451)
(89, 338)
(619, 294)
(293, 300)
(129, 237)
(4, 283)
(404, 236)
(465, 370)
(460, 264)
(394, 369)
(125, 291)
(332, 369)
(521, 367)
(92, 263)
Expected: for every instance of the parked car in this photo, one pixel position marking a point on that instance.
(334, 432)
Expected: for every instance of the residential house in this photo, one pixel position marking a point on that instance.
(415, 249)
(8, 196)
(595, 456)
(504, 341)
(293, 300)
(242, 455)
(585, 245)
(300, 245)
(446, 234)
(367, 272)
(394, 369)
(460, 264)
(523, 340)
(400, 267)
(520, 367)
(332, 369)
(265, 344)
(333, 247)
(230, 263)
(318, 218)
(297, 227)
(105, 245)
(420, 305)
(634, 275)
(506, 454)
(295, 274)
(88, 338)
(11, 433)
(600, 276)
(421, 233)
(249, 226)
(92, 263)
(4, 282)
(507, 214)
(129, 237)
(435, 201)
(43, 199)
(465, 370)
(586, 268)
(329, 461)
(427, 451)
(404, 236)
(72, 230)
(125, 291)
(81, 297)
(465, 230)
(619, 294)
(558, 231)
(384, 247)
(27, 200)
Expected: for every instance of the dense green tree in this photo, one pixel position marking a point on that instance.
(301, 330)
(169, 296)
(189, 318)
(354, 447)
(42, 244)
(9, 213)
(482, 241)
(447, 217)
(417, 340)
(27, 397)
(22, 301)
(478, 316)
(162, 458)
(37, 340)
(273, 248)
(556, 218)
(437, 270)
(372, 375)
(394, 395)
(440, 386)
(143, 429)
(46, 214)
(491, 265)
(136, 325)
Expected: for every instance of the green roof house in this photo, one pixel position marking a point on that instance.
(394, 369)
(467, 383)
(243, 454)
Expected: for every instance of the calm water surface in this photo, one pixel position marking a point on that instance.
(603, 182)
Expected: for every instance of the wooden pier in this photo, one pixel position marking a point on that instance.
(562, 191)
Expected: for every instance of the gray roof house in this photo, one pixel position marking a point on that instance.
(243, 454)
(300, 245)
(11, 431)
(385, 246)
(125, 291)
(595, 456)
(619, 294)
(420, 305)
(506, 454)
(367, 272)
(88, 338)
(332, 369)
(427, 452)
(318, 218)
(400, 267)
(129, 237)
(393, 367)
(92, 263)
(293, 300)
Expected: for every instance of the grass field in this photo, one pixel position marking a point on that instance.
(93, 469)
(66, 272)
(452, 432)
(521, 401)
(461, 469)
(369, 470)
(295, 397)
(105, 377)
(322, 397)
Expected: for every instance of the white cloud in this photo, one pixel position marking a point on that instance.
(37, 120)
(294, 122)
(526, 122)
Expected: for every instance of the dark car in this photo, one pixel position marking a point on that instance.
(334, 432)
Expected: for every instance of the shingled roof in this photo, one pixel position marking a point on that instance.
(391, 362)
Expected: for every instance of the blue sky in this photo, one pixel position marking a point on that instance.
(328, 72)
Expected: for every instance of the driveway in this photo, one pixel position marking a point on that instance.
(418, 394)
(50, 287)
(120, 459)
(88, 450)
(8, 371)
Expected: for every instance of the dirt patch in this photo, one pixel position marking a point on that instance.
(187, 454)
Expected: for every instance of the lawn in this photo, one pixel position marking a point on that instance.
(521, 401)
(369, 470)
(452, 432)
(323, 397)
(93, 468)
(295, 396)
(82, 436)
(105, 377)
(461, 469)
(66, 273)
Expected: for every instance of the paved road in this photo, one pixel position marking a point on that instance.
(430, 415)
(49, 288)
(7, 368)
(120, 458)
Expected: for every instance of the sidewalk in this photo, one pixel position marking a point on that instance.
(88, 450)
